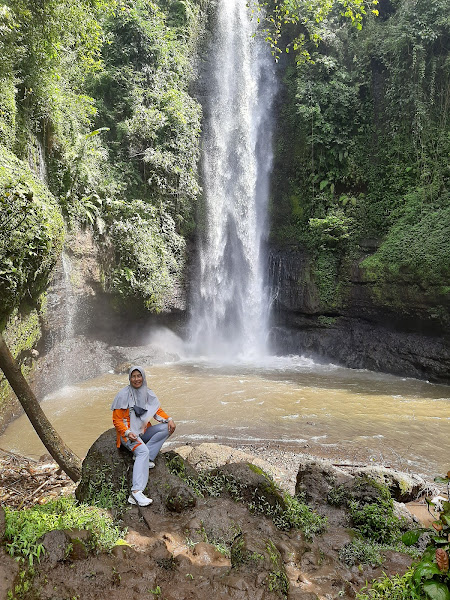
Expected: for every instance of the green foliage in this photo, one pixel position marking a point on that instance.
(361, 552)
(31, 237)
(432, 574)
(288, 513)
(428, 579)
(149, 254)
(326, 276)
(146, 104)
(364, 136)
(104, 494)
(23, 331)
(311, 15)
(95, 93)
(277, 580)
(293, 515)
(333, 231)
(397, 587)
(25, 527)
(417, 248)
(376, 521)
(239, 555)
(7, 111)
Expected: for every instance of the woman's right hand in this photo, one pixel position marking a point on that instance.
(132, 436)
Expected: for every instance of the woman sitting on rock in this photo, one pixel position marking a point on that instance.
(133, 407)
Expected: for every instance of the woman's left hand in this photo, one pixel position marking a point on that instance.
(171, 425)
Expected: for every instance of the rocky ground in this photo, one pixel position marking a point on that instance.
(175, 547)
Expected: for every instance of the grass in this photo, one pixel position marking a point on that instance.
(25, 528)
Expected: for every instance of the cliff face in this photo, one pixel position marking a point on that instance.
(396, 333)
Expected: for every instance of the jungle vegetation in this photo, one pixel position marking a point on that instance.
(362, 156)
(100, 128)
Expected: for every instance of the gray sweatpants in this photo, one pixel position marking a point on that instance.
(151, 442)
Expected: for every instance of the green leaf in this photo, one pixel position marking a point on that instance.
(96, 132)
(411, 537)
(323, 184)
(426, 570)
(436, 590)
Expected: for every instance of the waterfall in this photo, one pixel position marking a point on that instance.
(229, 316)
(69, 298)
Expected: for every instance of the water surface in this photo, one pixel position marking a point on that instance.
(348, 415)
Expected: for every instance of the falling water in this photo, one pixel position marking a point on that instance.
(69, 298)
(229, 313)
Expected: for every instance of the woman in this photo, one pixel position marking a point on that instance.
(133, 407)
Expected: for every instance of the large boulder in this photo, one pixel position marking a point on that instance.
(317, 478)
(251, 484)
(107, 473)
(319, 481)
(403, 487)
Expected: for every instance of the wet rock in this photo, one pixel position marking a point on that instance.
(140, 355)
(78, 550)
(107, 468)
(208, 456)
(402, 513)
(250, 551)
(180, 498)
(2, 522)
(70, 361)
(207, 554)
(366, 332)
(81, 541)
(179, 465)
(251, 484)
(403, 487)
(56, 546)
(8, 571)
(123, 551)
(316, 479)
(299, 594)
(159, 551)
(367, 491)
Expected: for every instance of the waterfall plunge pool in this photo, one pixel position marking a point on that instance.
(346, 415)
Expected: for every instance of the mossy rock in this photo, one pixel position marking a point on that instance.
(315, 481)
(108, 469)
(253, 483)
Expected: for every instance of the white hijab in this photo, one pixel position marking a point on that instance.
(142, 397)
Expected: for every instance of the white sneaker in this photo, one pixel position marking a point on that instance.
(151, 464)
(139, 498)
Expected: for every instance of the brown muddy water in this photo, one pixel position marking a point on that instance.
(347, 415)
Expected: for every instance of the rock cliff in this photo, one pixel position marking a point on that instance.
(359, 329)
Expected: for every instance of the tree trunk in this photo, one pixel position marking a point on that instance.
(66, 459)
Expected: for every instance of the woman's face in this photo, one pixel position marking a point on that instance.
(136, 379)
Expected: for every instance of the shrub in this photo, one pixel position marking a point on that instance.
(25, 527)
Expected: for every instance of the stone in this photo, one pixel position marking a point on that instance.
(56, 546)
(365, 333)
(9, 568)
(402, 486)
(107, 466)
(207, 554)
(180, 498)
(401, 512)
(253, 484)
(315, 480)
(2, 522)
